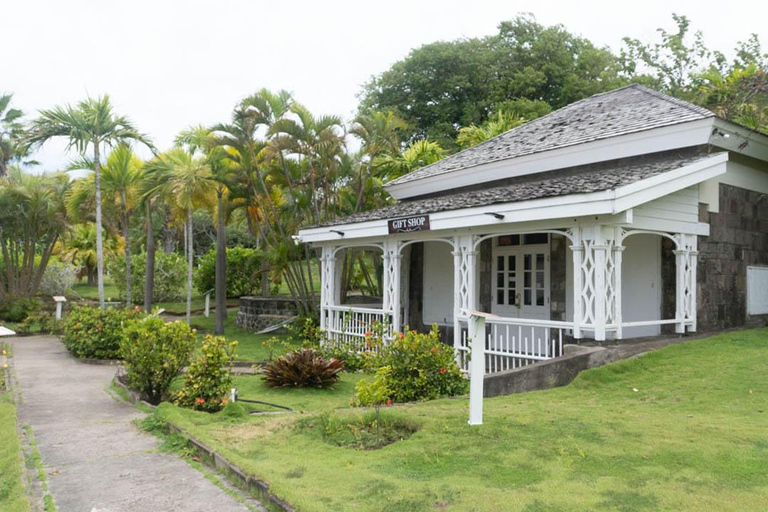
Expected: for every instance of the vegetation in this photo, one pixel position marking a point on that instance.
(243, 272)
(603, 444)
(97, 333)
(302, 368)
(154, 353)
(167, 283)
(208, 379)
(13, 497)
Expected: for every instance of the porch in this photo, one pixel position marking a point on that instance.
(548, 283)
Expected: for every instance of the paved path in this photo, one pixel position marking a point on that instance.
(95, 458)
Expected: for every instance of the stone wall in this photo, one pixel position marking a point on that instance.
(559, 252)
(257, 313)
(738, 238)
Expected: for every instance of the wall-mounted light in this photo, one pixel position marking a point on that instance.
(718, 131)
(340, 233)
(495, 215)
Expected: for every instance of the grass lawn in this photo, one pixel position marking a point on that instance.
(13, 497)
(682, 428)
(92, 292)
(249, 348)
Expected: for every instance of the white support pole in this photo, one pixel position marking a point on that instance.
(391, 299)
(694, 255)
(327, 283)
(680, 286)
(577, 250)
(617, 259)
(397, 294)
(476, 368)
(600, 248)
(472, 298)
(456, 298)
(208, 303)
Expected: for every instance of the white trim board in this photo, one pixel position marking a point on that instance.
(608, 202)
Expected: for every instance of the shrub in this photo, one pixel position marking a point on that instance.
(16, 310)
(93, 332)
(209, 379)
(375, 394)
(359, 431)
(155, 352)
(243, 268)
(303, 368)
(58, 278)
(422, 368)
(170, 276)
(45, 323)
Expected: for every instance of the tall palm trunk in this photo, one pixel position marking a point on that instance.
(221, 266)
(189, 264)
(128, 268)
(99, 241)
(149, 269)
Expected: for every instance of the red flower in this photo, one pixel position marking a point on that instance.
(200, 401)
(443, 370)
(402, 336)
(368, 334)
(389, 401)
(367, 343)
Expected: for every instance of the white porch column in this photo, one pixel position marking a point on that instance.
(457, 259)
(693, 284)
(599, 270)
(680, 284)
(577, 253)
(618, 251)
(327, 283)
(391, 299)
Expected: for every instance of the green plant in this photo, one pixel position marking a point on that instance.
(45, 322)
(422, 368)
(169, 276)
(209, 378)
(375, 393)
(307, 330)
(243, 271)
(58, 279)
(92, 332)
(302, 368)
(16, 310)
(155, 352)
(363, 432)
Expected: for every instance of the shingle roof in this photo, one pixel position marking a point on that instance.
(627, 110)
(575, 180)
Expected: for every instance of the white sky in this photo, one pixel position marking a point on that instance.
(169, 64)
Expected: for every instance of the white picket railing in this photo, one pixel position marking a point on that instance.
(515, 342)
(349, 324)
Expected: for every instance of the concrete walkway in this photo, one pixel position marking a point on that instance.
(95, 458)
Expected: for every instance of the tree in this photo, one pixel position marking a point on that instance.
(418, 154)
(11, 132)
(33, 217)
(501, 122)
(80, 247)
(121, 181)
(90, 124)
(189, 181)
(445, 85)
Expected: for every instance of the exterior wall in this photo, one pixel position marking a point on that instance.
(558, 283)
(438, 284)
(681, 206)
(641, 284)
(257, 313)
(738, 238)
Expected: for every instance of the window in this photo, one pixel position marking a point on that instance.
(509, 240)
(535, 238)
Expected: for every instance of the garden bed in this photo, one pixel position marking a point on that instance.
(679, 428)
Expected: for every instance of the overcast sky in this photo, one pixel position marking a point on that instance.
(170, 64)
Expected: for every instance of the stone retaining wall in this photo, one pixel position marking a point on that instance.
(257, 313)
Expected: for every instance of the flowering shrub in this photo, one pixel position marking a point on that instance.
(422, 368)
(93, 332)
(155, 352)
(209, 379)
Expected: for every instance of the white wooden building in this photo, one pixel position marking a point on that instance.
(585, 223)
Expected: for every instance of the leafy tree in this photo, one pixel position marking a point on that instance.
(79, 248)
(496, 125)
(90, 124)
(445, 85)
(32, 219)
(11, 133)
(418, 154)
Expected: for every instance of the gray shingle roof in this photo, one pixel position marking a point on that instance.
(575, 180)
(627, 110)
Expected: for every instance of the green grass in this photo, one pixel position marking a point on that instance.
(198, 304)
(13, 497)
(683, 428)
(92, 292)
(250, 345)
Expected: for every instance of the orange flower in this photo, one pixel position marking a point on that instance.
(434, 350)
(389, 401)
(402, 336)
(443, 370)
(368, 334)
(367, 343)
(200, 401)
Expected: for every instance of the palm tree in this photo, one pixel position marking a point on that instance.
(417, 154)
(378, 133)
(121, 178)
(497, 124)
(189, 181)
(91, 123)
(11, 131)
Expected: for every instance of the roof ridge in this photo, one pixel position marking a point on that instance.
(676, 101)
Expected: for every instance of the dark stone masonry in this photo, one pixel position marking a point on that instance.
(738, 238)
(257, 313)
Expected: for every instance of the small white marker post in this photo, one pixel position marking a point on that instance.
(208, 303)
(476, 327)
(60, 300)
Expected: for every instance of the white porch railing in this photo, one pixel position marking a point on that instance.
(515, 342)
(349, 324)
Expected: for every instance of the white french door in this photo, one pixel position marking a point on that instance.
(521, 282)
